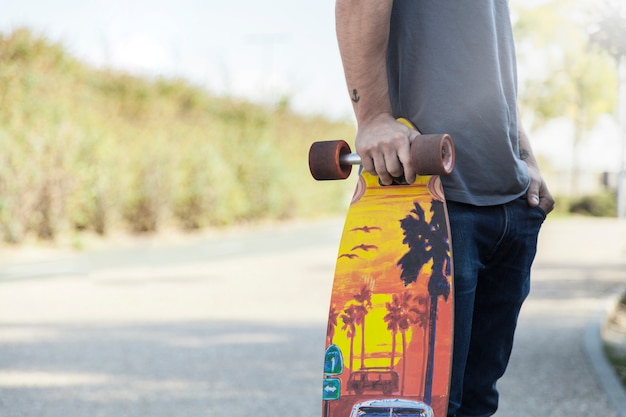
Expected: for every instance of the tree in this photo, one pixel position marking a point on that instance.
(608, 29)
(609, 35)
(427, 241)
(574, 81)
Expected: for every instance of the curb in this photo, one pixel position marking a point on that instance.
(605, 374)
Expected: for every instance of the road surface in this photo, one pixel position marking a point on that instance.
(234, 326)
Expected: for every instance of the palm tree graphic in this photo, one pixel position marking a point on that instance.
(333, 315)
(404, 311)
(349, 325)
(427, 241)
(364, 300)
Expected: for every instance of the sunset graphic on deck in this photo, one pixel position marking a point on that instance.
(380, 314)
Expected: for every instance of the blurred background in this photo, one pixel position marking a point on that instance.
(191, 114)
(153, 114)
(158, 119)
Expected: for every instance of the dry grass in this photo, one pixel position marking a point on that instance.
(87, 149)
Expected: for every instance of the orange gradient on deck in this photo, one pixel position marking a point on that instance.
(367, 277)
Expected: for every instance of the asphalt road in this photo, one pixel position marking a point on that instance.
(234, 326)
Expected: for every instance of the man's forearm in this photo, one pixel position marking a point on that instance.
(362, 35)
(525, 149)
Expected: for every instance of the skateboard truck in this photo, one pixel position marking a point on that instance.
(430, 155)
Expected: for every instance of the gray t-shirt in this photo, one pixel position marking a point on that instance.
(452, 69)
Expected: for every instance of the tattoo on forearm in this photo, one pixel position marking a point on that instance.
(355, 96)
(524, 154)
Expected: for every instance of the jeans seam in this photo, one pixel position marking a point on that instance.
(505, 231)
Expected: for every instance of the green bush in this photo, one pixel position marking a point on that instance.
(87, 149)
(598, 205)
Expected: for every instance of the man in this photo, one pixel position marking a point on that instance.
(449, 67)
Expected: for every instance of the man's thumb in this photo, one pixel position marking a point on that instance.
(533, 196)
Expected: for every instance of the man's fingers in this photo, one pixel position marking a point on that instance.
(381, 170)
(538, 194)
(368, 165)
(384, 147)
(546, 201)
(394, 165)
(404, 157)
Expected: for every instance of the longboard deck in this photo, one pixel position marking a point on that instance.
(382, 342)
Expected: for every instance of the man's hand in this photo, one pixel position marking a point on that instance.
(538, 193)
(384, 146)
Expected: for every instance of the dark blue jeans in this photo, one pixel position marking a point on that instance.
(493, 249)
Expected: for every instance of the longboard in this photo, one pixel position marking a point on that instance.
(390, 323)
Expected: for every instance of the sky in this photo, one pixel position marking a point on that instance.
(262, 51)
(259, 50)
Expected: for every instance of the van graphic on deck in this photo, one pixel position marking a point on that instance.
(382, 380)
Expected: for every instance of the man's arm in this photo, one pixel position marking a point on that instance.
(538, 193)
(362, 34)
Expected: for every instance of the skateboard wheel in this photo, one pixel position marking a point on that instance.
(325, 160)
(432, 154)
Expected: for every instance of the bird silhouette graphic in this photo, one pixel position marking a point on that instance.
(366, 229)
(349, 256)
(365, 247)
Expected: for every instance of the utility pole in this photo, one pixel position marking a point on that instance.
(621, 108)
